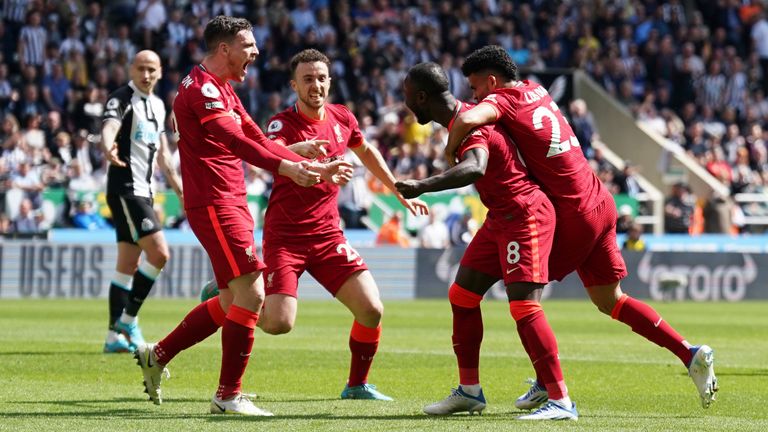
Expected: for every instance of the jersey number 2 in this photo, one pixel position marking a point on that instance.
(555, 145)
(352, 255)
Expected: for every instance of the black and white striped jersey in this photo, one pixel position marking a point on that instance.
(142, 120)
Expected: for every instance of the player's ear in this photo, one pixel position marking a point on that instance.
(294, 86)
(492, 81)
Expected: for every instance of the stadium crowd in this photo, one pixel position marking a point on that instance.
(698, 75)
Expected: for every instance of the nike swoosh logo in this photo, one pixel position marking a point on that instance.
(219, 407)
(244, 355)
(656, 324)
(511, 270)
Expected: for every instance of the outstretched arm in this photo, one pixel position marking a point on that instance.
(481, 114)
(374, 162)
(274, 157)
(466, 172)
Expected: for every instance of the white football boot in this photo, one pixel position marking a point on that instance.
(238, 405)
(702, 372)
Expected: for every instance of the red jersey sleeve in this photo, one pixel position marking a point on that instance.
(279, 130)
(503, 103)
(207, 102)
(477, 138)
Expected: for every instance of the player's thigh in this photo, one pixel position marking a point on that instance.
(575, 238)
(479, 267)
(156, 248)
(525, 243)
(285, 263)
(604, 265)
(226, 234)
(360, 294)
(279, 313)
(120, 219)
(128, 255)
(137, 213)
(334, 263)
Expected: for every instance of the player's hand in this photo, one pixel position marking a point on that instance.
(114, 158)
(338, 172)
(311, 149)
(299, 172)
(408, 189)
(416, 206)
(450, 156)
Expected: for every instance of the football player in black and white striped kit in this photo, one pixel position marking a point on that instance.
(132, 138)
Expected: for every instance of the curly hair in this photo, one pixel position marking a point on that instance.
(429, 77)
(308, 56)
(491, 58)
(223, 29)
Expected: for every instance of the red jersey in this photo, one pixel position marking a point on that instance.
(314, 210)
(548, 146)
(505, 189)
(211, 173)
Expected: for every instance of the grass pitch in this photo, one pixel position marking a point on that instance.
(53, 376)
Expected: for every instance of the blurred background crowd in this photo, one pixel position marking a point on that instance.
(695, 71)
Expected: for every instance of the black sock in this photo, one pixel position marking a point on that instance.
(142, 285)
(118, 299)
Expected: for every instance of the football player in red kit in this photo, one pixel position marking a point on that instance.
(216, 135)
(302, 231)
(585, 237)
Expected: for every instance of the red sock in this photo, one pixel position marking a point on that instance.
(646, 322)
(533, 327)
(467, 332)
(236, 345)
(200, 322)
(363, 343)
(527, 348)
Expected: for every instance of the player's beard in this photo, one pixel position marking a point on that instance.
(315, 103)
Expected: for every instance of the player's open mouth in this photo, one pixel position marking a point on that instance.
(245, 67)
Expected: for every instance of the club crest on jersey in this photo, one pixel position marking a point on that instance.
(275, 126)
(337, 131)
(269, 279)
(146, 224)
(250, 253)
(209, 90)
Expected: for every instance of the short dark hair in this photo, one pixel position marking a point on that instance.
(310, 55)
(491, 58)
(223, 29)
(430, 78)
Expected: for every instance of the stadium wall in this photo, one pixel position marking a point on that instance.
(82, 269)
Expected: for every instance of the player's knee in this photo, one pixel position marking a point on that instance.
(370, 315)
(604, 305)
(159, 257)
(276, 327)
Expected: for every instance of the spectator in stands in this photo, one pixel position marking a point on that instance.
(634, 241)
(32, 41)
(86, 217)
(717, 212)
(678, 210)
(626, 218)
(583, 126)
(434, 235)
(627, 180)
(391, 232)
(25, 221)
(28, 180)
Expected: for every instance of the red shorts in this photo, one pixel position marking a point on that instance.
(588, 245)
(329, 259)
(516, 249)
(226, 233)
